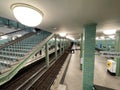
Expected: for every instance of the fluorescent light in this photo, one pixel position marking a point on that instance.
(102, 37)
(109, 32)
(4, 37)
(62, 34)
(112, 36)
(27, 15)
(57, 39)
(97, 38)
(71, 38)
(19, 35)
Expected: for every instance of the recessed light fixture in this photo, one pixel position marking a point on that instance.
(109, 32)
(27, 14)
(97, 38)
(62, 34)
(112, 36)
(102, 37)
(69, 37)
(4, 37)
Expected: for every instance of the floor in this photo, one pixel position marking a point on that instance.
(102, 77)
(73, 78)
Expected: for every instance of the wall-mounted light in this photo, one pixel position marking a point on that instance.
(27, 14)
(109, 32)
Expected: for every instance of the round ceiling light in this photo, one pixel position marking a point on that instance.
(27, 14)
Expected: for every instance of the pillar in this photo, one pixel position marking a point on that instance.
(63, 45)
(56, 44)
(47, 54)
(60, 45)
(67, 44)
(88, 56)
(117, 49)
(81, 51)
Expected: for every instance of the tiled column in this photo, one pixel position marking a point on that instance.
(56, 44)
(81, 51)
(117, 48)
(63, 44)
(47, 54)
(88, 56)
(60, 45)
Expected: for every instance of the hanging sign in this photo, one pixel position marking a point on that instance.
(109, 54)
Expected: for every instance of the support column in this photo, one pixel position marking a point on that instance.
(66, 44)
(88, 56)
(56, 44)
(47, 54)
(60, 45)
(63, 44)
(81, 52)
(117, 48)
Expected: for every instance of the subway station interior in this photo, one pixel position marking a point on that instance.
(59, 44)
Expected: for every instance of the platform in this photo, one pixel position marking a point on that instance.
(62, 87)
(73, 77)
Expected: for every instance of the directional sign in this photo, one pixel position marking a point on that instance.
(109, 54)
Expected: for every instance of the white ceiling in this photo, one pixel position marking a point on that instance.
(71, 15)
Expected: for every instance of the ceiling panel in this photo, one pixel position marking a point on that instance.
(71, 15)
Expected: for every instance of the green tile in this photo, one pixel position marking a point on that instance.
(88, 55)
(117, 48)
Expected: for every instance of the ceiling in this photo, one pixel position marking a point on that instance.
(70, 16)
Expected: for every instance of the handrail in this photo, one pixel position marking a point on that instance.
(13, 72)
(16, 40)
(12, 32)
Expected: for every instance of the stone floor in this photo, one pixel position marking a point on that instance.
(73, 78)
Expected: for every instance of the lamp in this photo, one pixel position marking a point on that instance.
(27, 14)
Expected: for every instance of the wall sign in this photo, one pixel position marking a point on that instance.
(109, 54)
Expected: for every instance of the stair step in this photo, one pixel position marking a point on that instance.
(5, 57)
(5, 63)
